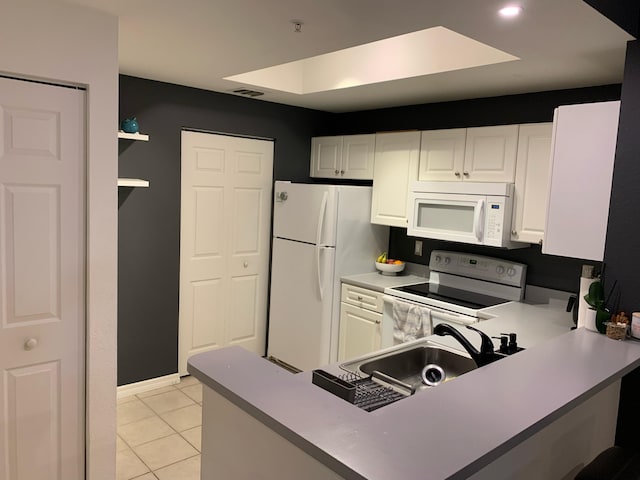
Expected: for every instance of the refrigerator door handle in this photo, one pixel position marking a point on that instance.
(323, 211)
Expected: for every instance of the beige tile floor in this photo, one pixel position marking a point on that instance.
(159, 433)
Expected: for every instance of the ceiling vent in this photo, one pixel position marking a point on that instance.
(248, 93)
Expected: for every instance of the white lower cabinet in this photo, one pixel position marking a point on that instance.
(395, 166)
(360, 322)
(532, 182)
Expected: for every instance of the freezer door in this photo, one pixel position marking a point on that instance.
(301, 304)
(305, 213)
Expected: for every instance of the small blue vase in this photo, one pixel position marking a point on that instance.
(129, 125)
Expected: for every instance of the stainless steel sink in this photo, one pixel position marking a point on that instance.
(407, 364)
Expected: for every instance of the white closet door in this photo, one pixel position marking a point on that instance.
(42, 265)
(224, 243)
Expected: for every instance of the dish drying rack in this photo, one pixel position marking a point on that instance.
(368, 393)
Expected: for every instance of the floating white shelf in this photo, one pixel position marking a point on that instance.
(132, 182)
(133, 136)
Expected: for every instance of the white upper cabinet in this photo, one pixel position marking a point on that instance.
(348, 157)
(532, 182)
(396, 165)
(490, 154)
(480, 154)
(584, 145)
(442, 154)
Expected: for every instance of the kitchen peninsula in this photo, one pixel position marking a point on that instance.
(541, 413)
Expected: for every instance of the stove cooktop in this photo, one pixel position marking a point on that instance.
(463, 298)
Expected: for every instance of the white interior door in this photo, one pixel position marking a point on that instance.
(42, 306)
(224, 243)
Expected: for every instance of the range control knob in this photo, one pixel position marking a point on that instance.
(447, 260)
(500, 269)
(511, 271)
(438, 259)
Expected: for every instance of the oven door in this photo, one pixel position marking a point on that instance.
(436, 316)
(443, 216)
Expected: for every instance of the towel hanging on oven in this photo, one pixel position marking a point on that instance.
(410, 322)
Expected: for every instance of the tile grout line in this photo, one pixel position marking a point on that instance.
(158, 415)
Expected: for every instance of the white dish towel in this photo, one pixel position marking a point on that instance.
(410, 322)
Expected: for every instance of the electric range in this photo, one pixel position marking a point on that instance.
(459, 286)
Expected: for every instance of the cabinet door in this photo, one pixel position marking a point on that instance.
(490, 154)
(532, 182)
(584, 145)
(357, 156)
(326, 157)
(359, 331)
(442, 155)
(395, 166)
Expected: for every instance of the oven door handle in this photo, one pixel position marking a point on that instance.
(388, 299)
(451, 317)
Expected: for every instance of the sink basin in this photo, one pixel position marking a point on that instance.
(406, 364)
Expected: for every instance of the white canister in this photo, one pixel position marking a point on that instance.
(590, 320)
(635, 325)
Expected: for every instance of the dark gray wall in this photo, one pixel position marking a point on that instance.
(543, 270)
(149, 218)
(622, 249)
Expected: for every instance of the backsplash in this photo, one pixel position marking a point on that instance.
(549, 271)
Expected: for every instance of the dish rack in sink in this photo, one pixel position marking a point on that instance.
(368, 393)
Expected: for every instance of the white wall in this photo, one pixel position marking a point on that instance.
(69, 44)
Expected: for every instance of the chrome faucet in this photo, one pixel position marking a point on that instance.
(483, 357)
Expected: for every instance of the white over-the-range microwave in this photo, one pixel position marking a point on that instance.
(465, 212)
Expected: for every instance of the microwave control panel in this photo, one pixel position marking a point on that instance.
(494, 221)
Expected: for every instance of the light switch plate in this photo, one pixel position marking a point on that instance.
(418, 248)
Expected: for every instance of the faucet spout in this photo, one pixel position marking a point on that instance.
(483, 357)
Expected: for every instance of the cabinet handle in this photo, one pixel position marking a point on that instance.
(378, 322)
(466, 174)
(514, 233)
(245, 264)
(540, 242)
(337, 172)
(341, 172)
(457, 174)
(359, 298)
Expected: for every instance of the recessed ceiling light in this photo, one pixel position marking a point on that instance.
(510, 11)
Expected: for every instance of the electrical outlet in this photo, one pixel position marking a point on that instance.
(418, 248)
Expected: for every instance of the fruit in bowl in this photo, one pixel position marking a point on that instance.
(389, 266)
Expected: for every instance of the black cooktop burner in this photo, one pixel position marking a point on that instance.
(456, 296)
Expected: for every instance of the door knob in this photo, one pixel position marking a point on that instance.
(30, 343)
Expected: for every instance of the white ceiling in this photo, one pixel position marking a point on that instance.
(560, 44)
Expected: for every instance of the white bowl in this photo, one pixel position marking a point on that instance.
(390, 268)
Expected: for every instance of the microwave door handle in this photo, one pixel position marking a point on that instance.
(478, 220)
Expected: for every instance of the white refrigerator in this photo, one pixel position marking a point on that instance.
(320, 233)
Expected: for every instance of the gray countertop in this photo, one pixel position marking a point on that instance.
(450, 431)
(378, 282)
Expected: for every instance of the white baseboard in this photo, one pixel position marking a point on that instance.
(146, 385)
